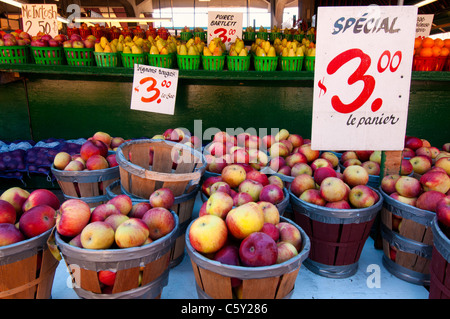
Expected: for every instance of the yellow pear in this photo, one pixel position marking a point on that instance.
(291, 52)
(243, 52)
(189, 42)
(182, 50)
(164, 51)
(193, 50)
(285, 52)
(200, 46)
(239, 46)
(136, 50)
(299, 52)
(271, 52)
(260, 52)
(232, 52)
(212, 46)
(139, 42)
(126, 49)
(218, 51)
(107, 49)
(121, 38)
(115, 41)
(113, 47)
(98, 47)
(206, 51)
(103, 42)
(266, 46)
(119, 46)
(154, 50)
(311, 52)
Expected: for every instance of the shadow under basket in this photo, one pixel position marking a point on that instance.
(337, 235)
(141, 272)
(408, 248)
(183, 206)
(439, 266)
(89, 186)
(27, 269)
(214, 279)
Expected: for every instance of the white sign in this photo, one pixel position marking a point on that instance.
(224, 25)
(40, 18)
(362, 77)
(424, 23)
(154, 89)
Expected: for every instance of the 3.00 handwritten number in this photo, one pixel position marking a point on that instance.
(357, 75)
(150, 88)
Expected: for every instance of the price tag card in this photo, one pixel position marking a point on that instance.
(362, 77)
(424, 23)
(154, 89)
(224, 25)
(40, 18)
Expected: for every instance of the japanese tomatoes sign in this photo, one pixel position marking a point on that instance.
(362, 77)
(154, 89)
(224, 25)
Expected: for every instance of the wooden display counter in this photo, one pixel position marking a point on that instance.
(40, 101)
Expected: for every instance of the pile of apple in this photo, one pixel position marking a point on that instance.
(93, 154)
(180, 135)
(249, 235)
(237, 186)
(46, 40)
(116, 224)
(421, 154)
(430, 192)
(331, 189)
(15, 38)
(24, 215)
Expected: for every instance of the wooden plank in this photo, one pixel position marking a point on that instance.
(126, 279)
(323, 237)
(155, 268)
(48, 268)
(215, 285)
(17, 274)
(390, 163)
(88, 280)
(263, 288)
(287, 283)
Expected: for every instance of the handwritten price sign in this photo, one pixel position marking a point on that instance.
(154, 89)
(224, 25)
(40, 18)
(362, 77)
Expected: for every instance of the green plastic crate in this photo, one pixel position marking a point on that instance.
(310, 63)
(185, 36)
(291, 63)
(265, 63)
(261, 35)
(130, 59)
(248, 36)
(274, 35)
(17, 54)
(107, 59)
(299, 37)
(238, 63)
(213, 63)
(80, 56)
(48, 55)
(161, 60)
(188, 62)
(288, 36)
(201, 35)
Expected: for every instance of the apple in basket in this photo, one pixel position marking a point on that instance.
(333, 189)
(270, 211)
(388, 183)
(122, 202)
(271, 230)
(244, 220)
(9, 234)
(355, 175)
(233, 175)
(162, 197)
(408, 186)
(61, 160)
(289, 233)
(37, 220)
(72, 216)
(93, 147)
(362, 196)
(285, 251)
(159, 221)
(41, 197)
(436, 180)
(16, 196)
(443, 211)
(272, 193)
(229, 255)
(102, 211)
(7, 212)
(258, 249)
(97, 235)
(219, 204)
(208, 234)
(251, 187)
(131, 233)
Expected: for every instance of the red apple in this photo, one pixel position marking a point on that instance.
(444, 163)
(413, 142)
(96, 162)
(107, 277)
(289, 233)
(408, 153)
(435, 180)
(295, 158)
(270, 211)
(273, 179)
(102, 211)
(37, 220)
(278, 149)
(75, 165)
(310, 154)
(229, 255)
(285, 170)
(9, 234)
(61, 160)
(406, 167)
(7, 212)
(233, 175)
(331, 157)
(295, 139)
(276, 163)
(403, 199)
(139, 209)
(421, 164)
(321, 162)
(443, 211)
(76, 241)
(313, 196)
(268, 140)
(322, 173)
(220, 187)
(373, 168)
(388, 183)
(301, 168)
(286, 251)
(41, 197)
(116, 142)
(258, 249)
(219, 204)
(351, 161)
(16, 196)
(115, 220)
(363, 156)
(111, 159)
(355, 175)
(131, 233)
(271, 193)
(241, 199)
(104, 137)
(208, 234)
(428, 200)
(362, 196)
(258, 176)
(408, 186)
(271, 230)
(301, 183)
(333, 189)
(208, 182)
(253, 188)
(122, 202)
(160, 222)
(72, 217)
(93, 147)
(342, 204)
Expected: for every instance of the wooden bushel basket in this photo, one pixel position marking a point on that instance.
(337, 235)
(213, 279)
(147, 165)
(141, 272)
(439, 266)
(27, 269)
(411, 245)
(183, 207)
(89, 186)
